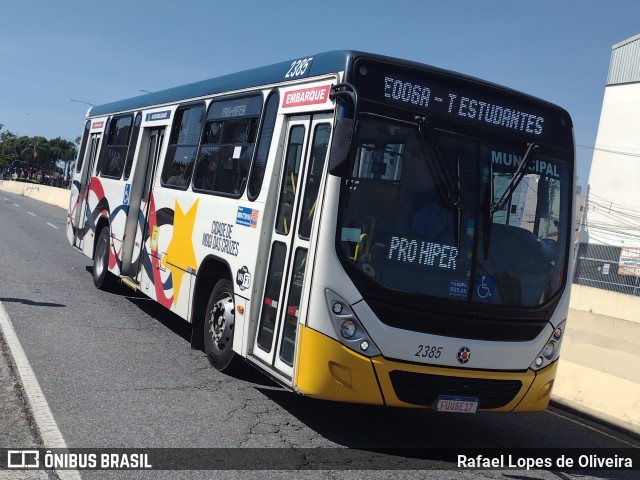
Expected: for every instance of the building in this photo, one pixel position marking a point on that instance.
(609, 251)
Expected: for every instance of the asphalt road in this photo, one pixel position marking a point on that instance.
(117, 371)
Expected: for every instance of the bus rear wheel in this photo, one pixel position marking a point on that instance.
(219, 325)
(102, 277)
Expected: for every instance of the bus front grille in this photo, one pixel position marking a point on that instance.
(424, 389)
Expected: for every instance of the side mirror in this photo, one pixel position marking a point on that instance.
(346, 96)
(340, 146)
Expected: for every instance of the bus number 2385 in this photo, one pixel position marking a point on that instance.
(427, 351)
(298, 67)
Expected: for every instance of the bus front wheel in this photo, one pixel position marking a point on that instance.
(219, 324)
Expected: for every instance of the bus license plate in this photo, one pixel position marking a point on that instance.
(457, 404)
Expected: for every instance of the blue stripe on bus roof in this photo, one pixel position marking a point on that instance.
(323, 63)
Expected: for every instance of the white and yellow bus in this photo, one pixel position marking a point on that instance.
(360, 228)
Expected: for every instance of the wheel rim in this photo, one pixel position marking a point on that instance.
(221, 322)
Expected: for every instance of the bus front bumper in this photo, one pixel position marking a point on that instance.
(326, 369)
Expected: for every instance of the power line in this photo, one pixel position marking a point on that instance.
(617, 152)
(606, 203)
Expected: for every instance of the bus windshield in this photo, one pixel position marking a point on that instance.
(418, 215)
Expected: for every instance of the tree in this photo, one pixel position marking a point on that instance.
(34, 150)
(5, 159)
(62, 149)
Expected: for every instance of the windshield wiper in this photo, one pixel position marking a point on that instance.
(490, 207)
(448, 188)
(515, 180)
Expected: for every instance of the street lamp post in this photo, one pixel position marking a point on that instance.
(82, 101)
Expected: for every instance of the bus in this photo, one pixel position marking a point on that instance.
(360, 228)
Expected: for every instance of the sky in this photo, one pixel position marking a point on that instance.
(54, 55)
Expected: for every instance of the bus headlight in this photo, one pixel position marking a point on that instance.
(557, 333)
(551, 350)
(349, 330)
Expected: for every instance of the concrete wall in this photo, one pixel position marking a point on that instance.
(52, 195)
(599, 371)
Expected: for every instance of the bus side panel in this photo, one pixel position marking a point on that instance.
(74, 198)
(96, 209)
(76, 180)
(166, 266)
(113, 211)
(83, 220)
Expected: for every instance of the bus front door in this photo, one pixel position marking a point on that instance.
(82, 216)
(285, 290)
(139, 201)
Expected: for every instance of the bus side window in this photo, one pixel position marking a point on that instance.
(132, 146)
(290, 179)
(227, 145)
(183, 145)
(115, 152)
(264, 142)
(83, 146)
(314, 174)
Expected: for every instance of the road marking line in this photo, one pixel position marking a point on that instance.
(32, 214)
(49, 431)
(17, 205)
(53, 226)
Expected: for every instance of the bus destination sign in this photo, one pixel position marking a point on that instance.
(465, 102)
(462, 105)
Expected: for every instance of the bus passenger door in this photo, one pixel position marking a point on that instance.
(83, 195)
(139, 204)
(305, 153)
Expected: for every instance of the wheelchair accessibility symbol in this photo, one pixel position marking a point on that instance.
(485, 286)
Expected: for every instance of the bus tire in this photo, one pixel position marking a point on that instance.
(219, 326)
(103, 279)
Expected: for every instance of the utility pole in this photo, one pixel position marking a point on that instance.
(583, 220)
(583, 236)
